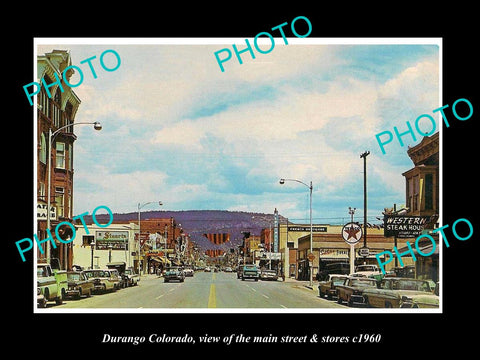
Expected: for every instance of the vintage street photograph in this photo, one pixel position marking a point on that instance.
(236, 175)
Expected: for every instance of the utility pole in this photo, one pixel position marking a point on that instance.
(364, 156)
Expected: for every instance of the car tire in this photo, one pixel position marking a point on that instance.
(339, 300)
(59, 299)
(89, 293)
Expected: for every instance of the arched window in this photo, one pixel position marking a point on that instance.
(57, 114)
(43, 149)
(44, 99)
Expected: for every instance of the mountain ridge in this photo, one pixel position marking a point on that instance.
(198, 222)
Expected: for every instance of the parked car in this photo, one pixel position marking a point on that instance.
(250, 271)
(267, 274)
(120, 268)
(207, 269)
(401, 292)
(352, 290)
(174, 273)
(103, 280)
(371, 271)
(407, 271)
(120, 280)
(51, 283)
(228, 269)
(79, 285)
(131, 278)
(329, 287)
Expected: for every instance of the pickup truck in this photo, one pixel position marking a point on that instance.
(131, 277)
(371, 271)
(250, 271)
(52, 284)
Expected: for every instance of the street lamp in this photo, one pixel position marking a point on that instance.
(139, 232)
(92, 246)
(51, 135)
(310, 187)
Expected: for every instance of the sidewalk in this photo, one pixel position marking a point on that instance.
(305, 283)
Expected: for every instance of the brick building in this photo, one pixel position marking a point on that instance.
(54, 112)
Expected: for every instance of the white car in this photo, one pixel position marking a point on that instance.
(188, 271)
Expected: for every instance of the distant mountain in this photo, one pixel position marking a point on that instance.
(198, 222)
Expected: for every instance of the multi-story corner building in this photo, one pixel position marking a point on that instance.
(423, 198)
(54, 112)
(422, 181)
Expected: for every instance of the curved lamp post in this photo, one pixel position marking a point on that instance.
(51, 135)
(310, 187)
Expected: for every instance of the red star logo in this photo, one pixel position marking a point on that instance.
(352, 232)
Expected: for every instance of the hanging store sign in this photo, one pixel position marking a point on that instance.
(115, 240)
(307, 228)
(42, 212)
(404, 226)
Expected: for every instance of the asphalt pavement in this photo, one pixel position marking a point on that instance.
(207, 290)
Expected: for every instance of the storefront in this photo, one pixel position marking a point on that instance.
(329, 247)
(95, 246)
(157, 261)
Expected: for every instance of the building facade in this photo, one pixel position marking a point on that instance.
(422, 189)
(57, 106)
(329, 247)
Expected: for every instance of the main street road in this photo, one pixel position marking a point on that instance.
(207, 290)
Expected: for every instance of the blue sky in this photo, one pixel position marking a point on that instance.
(177, 129)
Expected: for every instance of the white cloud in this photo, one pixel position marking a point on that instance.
(291, 113)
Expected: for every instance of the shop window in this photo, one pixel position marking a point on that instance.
(87, 240)
(415, 193)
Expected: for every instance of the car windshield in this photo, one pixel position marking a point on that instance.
(74, 276)
(250, 267)
(41, 271)
(338, 280)
(411, 285)
(363, 282)
(96, 273)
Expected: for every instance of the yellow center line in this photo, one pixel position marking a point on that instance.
(212, 298)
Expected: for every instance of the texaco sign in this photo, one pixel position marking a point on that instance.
(352, 233)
